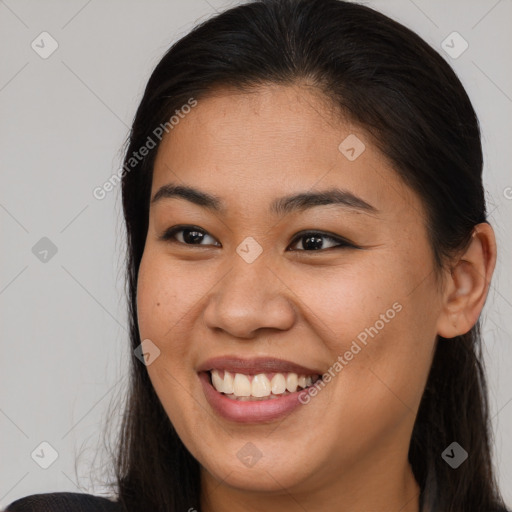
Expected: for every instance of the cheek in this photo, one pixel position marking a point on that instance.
(342, 302)
(164, 296)
(379, 333)
(164, 299)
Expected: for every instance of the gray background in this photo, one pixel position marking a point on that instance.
(63, 121)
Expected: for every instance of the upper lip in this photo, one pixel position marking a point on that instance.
(254, 365)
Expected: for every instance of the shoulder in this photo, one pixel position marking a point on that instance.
(62, 502)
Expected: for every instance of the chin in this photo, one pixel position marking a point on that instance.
(262, 477)
(258, 466)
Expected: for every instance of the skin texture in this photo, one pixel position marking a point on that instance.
(347, 448)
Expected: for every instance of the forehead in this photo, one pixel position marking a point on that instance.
(273, 141)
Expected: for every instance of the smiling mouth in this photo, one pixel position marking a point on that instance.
(262, 386)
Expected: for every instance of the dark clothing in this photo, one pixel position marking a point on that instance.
(63, 502)
(77, 502)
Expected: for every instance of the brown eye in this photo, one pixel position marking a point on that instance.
(315, 241)
(187, 235)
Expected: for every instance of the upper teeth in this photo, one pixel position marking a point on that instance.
(240, 384)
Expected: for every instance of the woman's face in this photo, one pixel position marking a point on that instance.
(313, 259)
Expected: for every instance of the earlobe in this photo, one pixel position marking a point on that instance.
(468, 283)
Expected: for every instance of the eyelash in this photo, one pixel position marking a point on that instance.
(169, 236)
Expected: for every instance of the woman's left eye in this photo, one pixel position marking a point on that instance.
(314, 241)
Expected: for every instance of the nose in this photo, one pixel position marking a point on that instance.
(249, 298)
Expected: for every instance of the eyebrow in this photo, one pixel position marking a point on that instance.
(280, 206)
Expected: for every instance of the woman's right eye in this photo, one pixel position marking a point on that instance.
(187, 235)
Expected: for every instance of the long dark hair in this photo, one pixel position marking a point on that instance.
(389, 81)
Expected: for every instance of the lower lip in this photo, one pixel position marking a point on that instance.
(248, 411)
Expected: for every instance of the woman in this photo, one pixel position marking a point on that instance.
(308, 258)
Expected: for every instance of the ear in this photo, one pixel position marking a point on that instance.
(467, 284)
